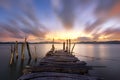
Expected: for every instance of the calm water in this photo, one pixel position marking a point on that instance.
(107, 55)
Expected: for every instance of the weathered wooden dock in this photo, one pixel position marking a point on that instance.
(58, 64)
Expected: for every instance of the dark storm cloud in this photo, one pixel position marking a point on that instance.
(24, 23)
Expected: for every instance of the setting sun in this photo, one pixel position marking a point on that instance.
(63, 35)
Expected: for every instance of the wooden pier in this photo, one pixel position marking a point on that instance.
(58, 64)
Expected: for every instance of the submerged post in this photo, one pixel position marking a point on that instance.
(28, 48)
(69, 45)
(12, 56)
(66, 45)
(63, 46)
(35, 54)
(72, 48)
(53, 47)
(22, 51)
(16, 49)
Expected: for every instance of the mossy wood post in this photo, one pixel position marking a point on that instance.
(16, 49)
(12, 55)
(28, 48)
(22, 51)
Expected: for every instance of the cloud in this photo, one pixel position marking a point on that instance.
(104, 11)
(6, 4)
(109, 34)
(24, 22)
(84, 39)
(23, 18)
(64, 10)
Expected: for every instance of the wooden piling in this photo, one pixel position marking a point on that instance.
(29, 61)
(53, 47)
(12, 56)
(16, 49)
(66, 45)
(28, 49)
(63, 46)
(69, 45)
(35, 53)
(73, 48)
(22, 51)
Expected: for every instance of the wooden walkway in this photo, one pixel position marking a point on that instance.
(58, 65)
(55, 76)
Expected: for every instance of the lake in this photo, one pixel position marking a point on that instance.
(107, 55)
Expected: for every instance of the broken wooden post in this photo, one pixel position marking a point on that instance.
(29, 61)
(53, 47)
(72, 48)
(35, 54)
(28, 48)
(22, 51)
(66, 45)
(63, 46)
(12, 56)
(69, 45)
(25, 39)
(16, 49)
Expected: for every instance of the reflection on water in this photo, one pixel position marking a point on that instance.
(94, 54)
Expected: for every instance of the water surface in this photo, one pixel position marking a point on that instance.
(107, 55)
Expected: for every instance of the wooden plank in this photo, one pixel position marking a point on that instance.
(60, 61)
(55, 76)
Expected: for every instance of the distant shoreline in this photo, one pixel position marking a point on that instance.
(94, 42)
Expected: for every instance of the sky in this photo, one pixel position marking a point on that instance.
(42, 20)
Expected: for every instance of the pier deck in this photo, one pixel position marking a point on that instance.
(60, 65)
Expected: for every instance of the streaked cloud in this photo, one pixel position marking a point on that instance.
(91, 17)
(23, 23)
(65, 11)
